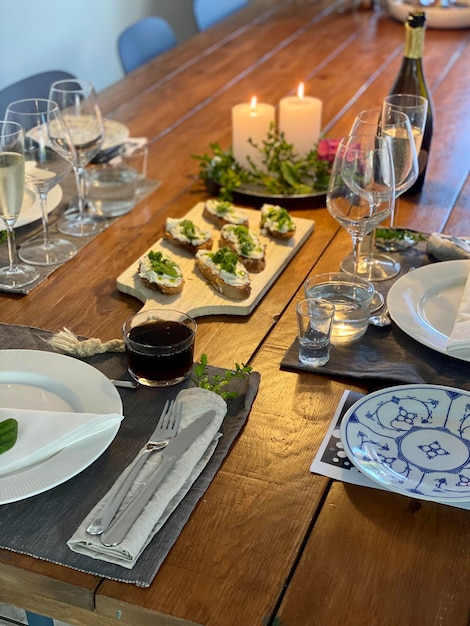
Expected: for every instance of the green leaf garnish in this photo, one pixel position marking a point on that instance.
(226, 259)
(218, 382)
(162, 265)
(8, 434)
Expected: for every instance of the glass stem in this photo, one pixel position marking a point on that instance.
(44, 218)
(12, 257)
(357, 251)
(79, 172)
(393, 213)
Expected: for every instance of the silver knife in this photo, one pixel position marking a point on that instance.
(116, 532)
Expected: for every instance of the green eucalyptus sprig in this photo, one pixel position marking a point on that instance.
(218, 382)
(284, 171)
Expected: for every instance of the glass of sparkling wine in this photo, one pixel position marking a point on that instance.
(415, 108)
(80, 141)
(12, 179)
(44, 168)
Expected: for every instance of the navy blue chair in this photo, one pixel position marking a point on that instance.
(36, 86)
(144, 40)
(209, 12)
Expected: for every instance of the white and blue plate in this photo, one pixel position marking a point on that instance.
(413, 440)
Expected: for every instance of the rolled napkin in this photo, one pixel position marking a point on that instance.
(44, 433)
(442, 248)
(195, 402)
(458, 343)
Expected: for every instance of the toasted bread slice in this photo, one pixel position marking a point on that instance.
(246, 244)
(276, 222)
(220, 212)
(184, 233)
(158, 271)
(224, 272)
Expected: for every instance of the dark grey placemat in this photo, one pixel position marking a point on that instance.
(389, 354)
(41, 525)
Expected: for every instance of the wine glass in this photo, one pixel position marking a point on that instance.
(79, 140)
(44, 168)
(12, 178)
(361, 191)
(374, 266)
(415, 108)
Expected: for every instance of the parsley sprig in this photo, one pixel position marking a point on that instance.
(284, 171)
(218, 382)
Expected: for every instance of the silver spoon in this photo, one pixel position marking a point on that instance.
(382, 319)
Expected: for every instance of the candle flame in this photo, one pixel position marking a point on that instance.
(301, 91)
(253, 103)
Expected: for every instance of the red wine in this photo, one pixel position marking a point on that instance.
(160, 351)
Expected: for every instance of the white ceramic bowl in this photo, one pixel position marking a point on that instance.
(436, 17)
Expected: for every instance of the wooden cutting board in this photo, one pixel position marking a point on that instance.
(198, 297)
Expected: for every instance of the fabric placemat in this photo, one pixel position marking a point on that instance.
(33, 230)
(387, 353)
(332, 461)
(40, 526)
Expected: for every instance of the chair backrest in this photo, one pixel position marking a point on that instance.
(142, 41)
(209, 12)
(36, 86)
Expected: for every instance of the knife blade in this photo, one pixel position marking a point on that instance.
(116, 532)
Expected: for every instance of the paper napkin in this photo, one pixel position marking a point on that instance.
(195, 402)
(44, 433)
(442, 248)
(459, 338)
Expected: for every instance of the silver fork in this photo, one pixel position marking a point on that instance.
(167, 429)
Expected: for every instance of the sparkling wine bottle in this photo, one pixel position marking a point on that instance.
(411, 80)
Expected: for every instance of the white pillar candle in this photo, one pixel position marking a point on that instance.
(300, 121)
(250, 121)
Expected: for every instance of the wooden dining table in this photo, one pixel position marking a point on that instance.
(270, 543)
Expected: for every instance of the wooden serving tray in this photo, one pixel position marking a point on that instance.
(198, 297)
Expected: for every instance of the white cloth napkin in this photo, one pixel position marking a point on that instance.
(169, 494)
(442, 248)
(458, 343)
(44, 433)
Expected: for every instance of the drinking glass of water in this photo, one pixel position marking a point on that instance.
(314, 322)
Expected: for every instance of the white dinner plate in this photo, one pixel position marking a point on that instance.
(31, 209)
(424, 302)
(32, 379)
(457, 16)
(115, 134)
(412, 439)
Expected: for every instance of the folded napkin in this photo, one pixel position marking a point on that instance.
(44, 433)
(442, 248)
(195, 402)
(458, 343)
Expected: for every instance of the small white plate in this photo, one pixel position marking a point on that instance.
(33, 379)
(115, 134)
(412, 439)
(424, 302)
(31, 209)
(436, 17)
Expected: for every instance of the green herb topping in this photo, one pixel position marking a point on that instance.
(189, 229)
(161, 264)
(245, 239)
(8, 434)
(226, 259)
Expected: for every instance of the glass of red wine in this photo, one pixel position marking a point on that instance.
(159, 346)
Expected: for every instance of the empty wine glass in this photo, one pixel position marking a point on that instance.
(44, 168)
(415, 108)
(80, 141)
(361, 190)
(375, 266)
(12, 180)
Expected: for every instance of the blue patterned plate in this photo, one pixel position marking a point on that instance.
(413, 439)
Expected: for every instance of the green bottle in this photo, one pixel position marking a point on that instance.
(410, 80)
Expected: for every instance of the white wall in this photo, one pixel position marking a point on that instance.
(79, 36)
